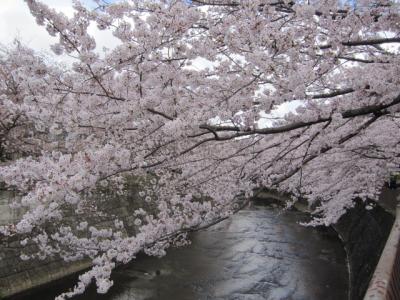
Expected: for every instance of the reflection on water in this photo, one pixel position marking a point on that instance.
(260, 253)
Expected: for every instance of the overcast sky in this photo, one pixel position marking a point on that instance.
(17, 22)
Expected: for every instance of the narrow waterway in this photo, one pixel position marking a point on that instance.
(259, 253)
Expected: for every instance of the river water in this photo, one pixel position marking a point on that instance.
(259, 253)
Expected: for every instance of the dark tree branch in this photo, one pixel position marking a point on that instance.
(371, 42)
(372, 109)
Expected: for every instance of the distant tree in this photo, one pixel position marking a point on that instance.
(202, 131)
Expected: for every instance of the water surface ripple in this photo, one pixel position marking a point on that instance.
(259, 253)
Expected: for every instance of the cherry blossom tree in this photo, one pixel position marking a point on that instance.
(187, 100)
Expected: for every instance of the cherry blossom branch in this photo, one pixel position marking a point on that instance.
(326, 149)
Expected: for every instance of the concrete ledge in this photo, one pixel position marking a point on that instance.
(385, 283)
(39, 276)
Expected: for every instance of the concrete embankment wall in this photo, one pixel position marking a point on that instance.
(17, 276)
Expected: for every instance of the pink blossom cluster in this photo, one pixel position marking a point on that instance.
(205, 133)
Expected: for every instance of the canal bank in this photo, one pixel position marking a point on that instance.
(259, 253)
(363, 234)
